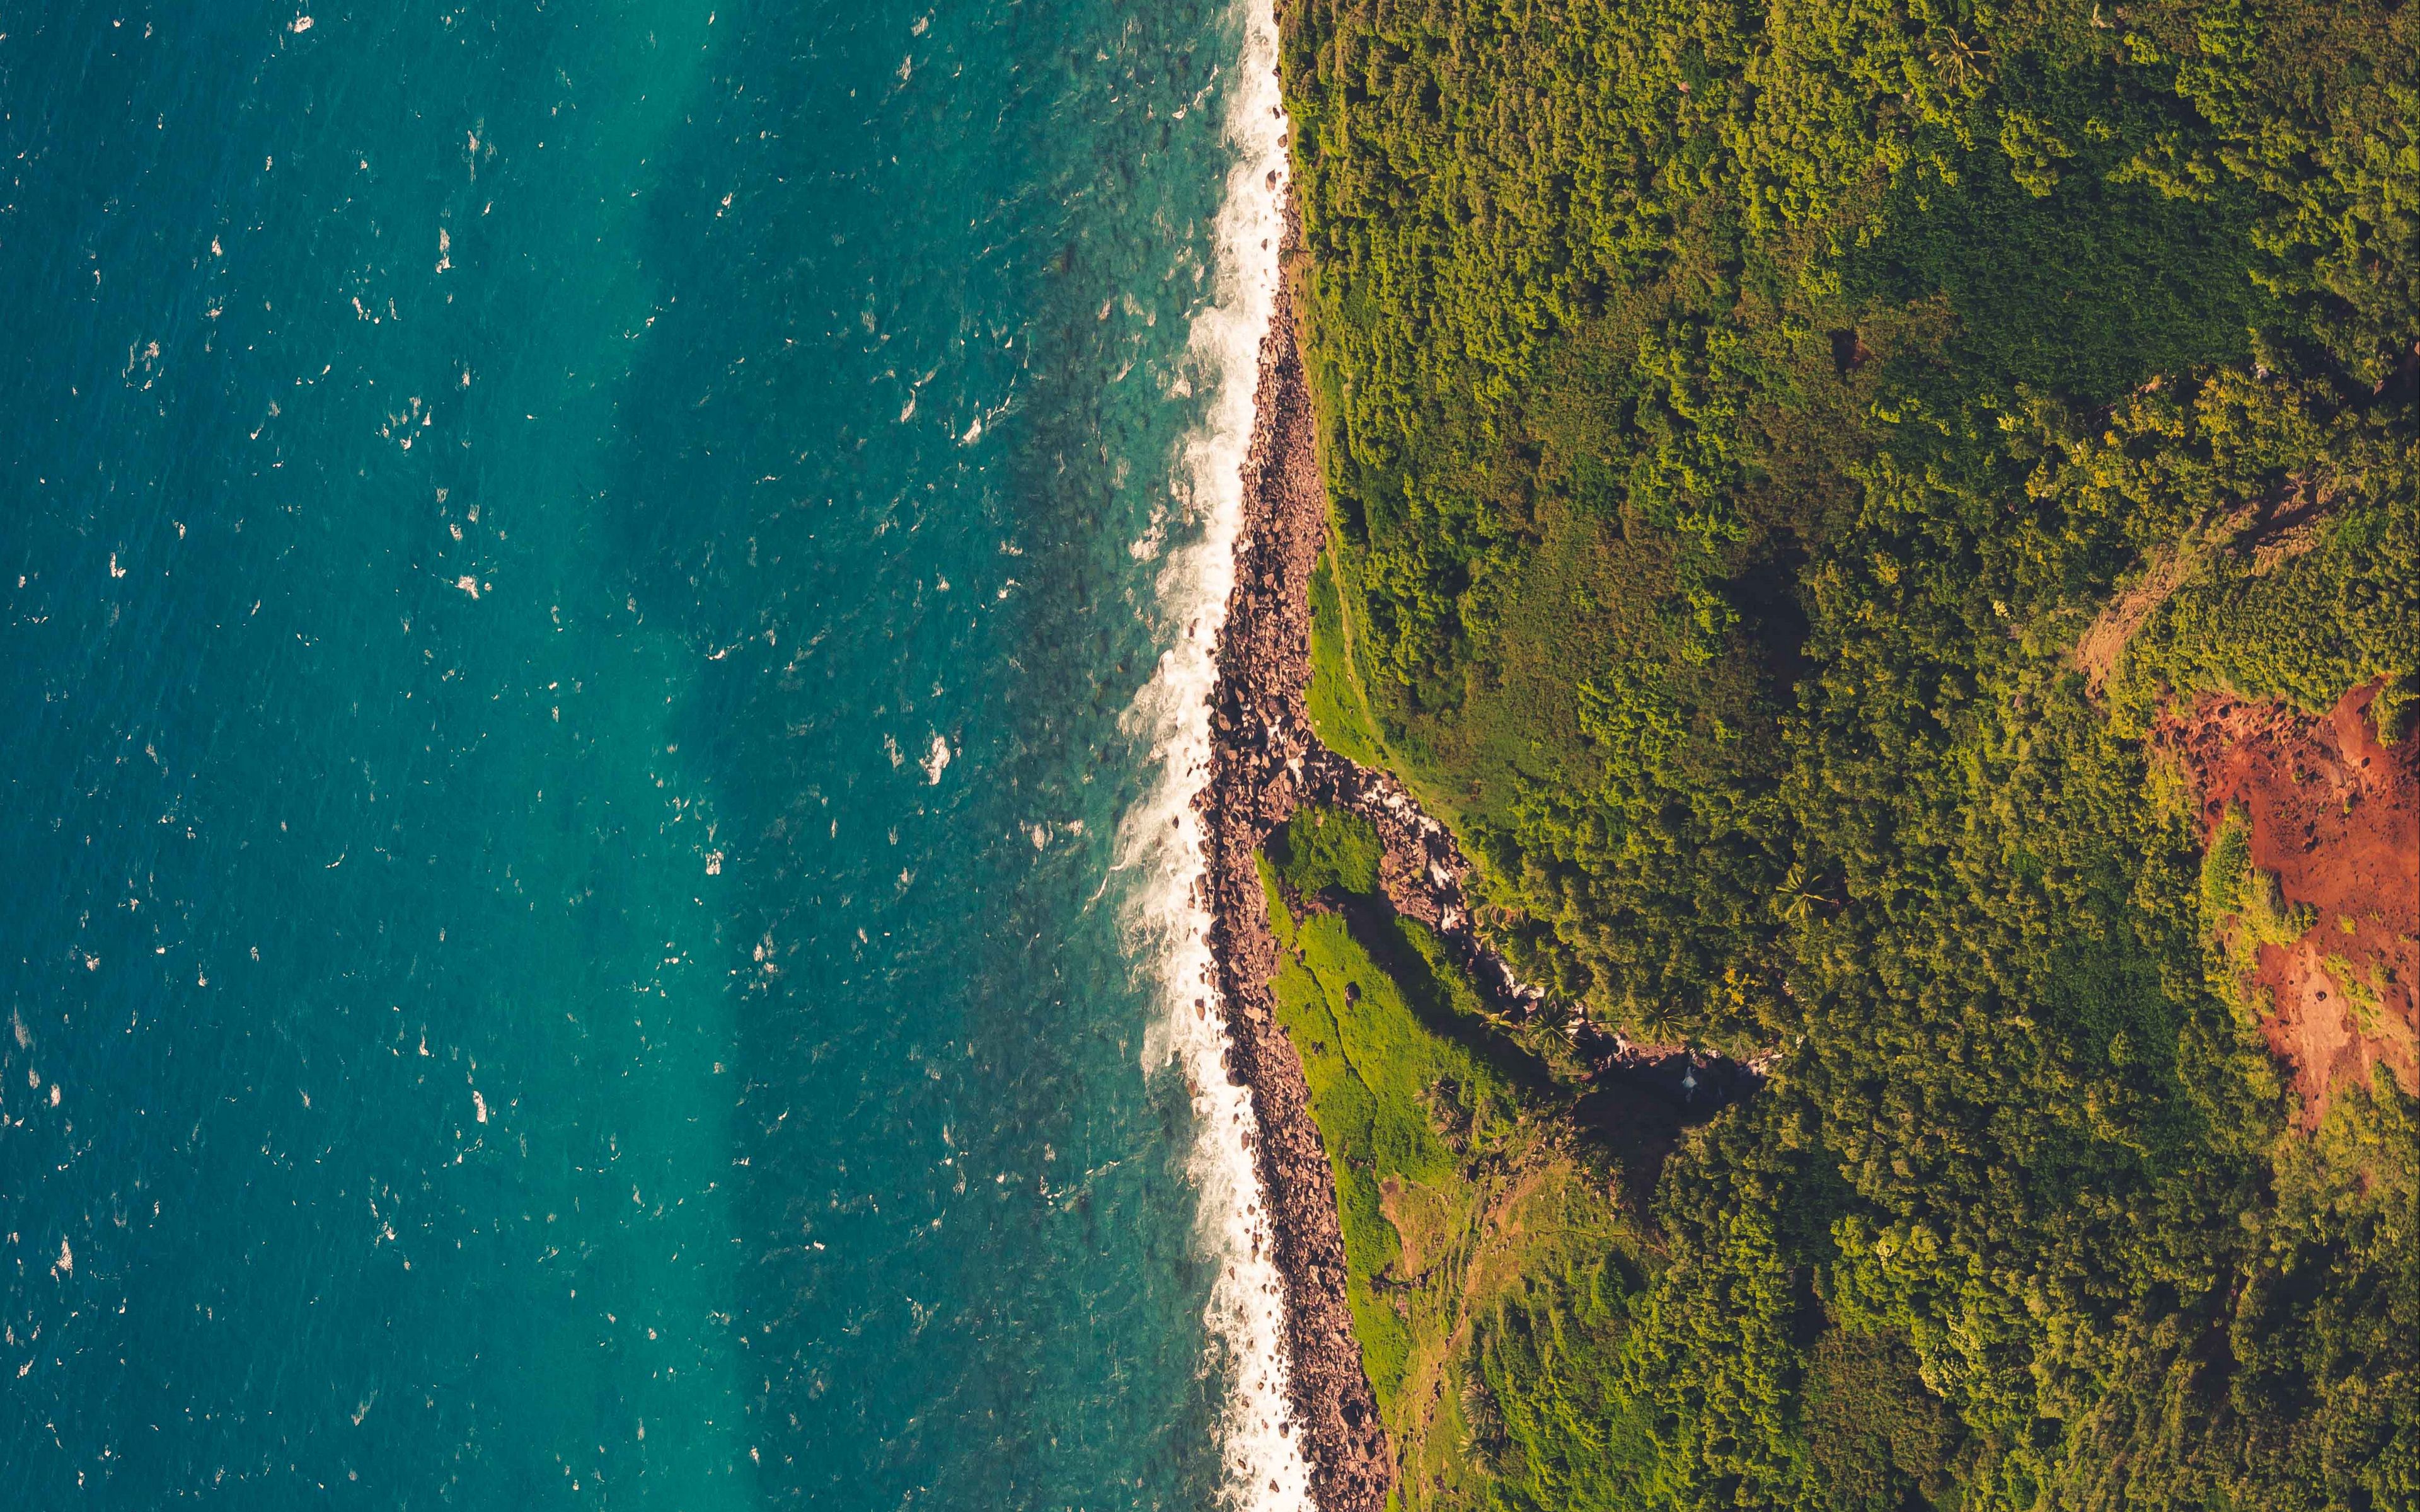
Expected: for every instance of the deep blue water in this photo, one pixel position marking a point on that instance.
(504, 510)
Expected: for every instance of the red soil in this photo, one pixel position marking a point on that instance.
(2336, 817)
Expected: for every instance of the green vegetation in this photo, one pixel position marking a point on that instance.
(1333, 698)
(2242, 908)
(1322, 850)
(1488, 1261)
(2396, 709)
(1734, 414)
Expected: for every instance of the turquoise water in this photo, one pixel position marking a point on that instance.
(577, 581)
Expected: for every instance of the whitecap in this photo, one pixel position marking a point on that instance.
(1160, 840)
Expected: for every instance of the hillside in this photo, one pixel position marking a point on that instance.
(1488, 1253)
(1890, 533)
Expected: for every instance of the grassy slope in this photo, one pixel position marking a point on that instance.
(1488, 1262)
(1334, 701)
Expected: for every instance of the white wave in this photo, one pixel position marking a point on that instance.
(1160, 840)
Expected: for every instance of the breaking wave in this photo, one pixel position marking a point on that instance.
(1160, 840)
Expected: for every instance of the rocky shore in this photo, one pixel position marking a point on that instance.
(1264, 764)
(1260, 744)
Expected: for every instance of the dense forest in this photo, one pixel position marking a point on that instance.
(1811, 482)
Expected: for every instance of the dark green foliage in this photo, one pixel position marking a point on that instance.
(2396, 709)
(2325, 1326)
(1877, 1439)
(1734, 415)
(1570, 1433)
(1322, 849)
(1716, 1343)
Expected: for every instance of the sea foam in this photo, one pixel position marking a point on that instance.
(1160, 840)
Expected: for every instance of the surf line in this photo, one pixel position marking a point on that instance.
(1161, 840)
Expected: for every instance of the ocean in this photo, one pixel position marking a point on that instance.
(606, 609)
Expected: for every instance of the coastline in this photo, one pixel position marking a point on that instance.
(1875, 1012)
(1260, 744)
(1265, 763)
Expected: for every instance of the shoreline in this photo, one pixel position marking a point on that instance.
(1265, 763)
(1260, 741)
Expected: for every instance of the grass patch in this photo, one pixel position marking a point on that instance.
(2361, 992)
(1337, 712)
(1488, 1260)
(1325, 850)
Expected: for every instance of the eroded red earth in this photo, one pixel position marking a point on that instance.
(2336, 817)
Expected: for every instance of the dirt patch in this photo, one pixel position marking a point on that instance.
(2334, 817)
(1420, 1218)
(1504, 1231)
(2098, 649)
(1480, 1260)
(2270, 533)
